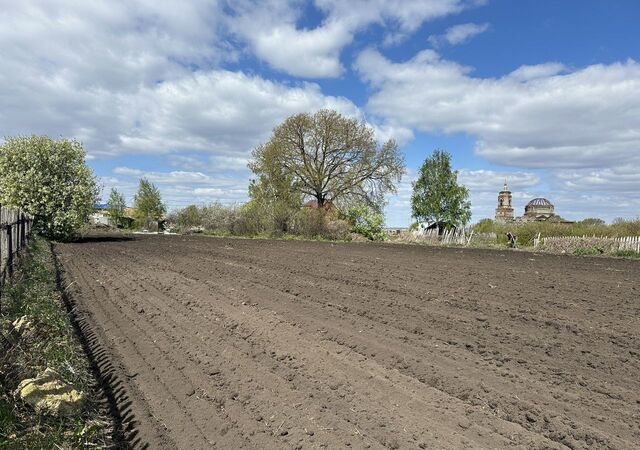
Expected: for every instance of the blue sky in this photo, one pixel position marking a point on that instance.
(543, 93)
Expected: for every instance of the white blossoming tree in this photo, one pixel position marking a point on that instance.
(50, 180)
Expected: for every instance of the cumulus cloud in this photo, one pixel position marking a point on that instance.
(534, 117)
(137, 77)
(271, 29)
(218, 111)
(458, 34)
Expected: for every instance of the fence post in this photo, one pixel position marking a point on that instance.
(21, 229)
(10, 248)
(1, 256)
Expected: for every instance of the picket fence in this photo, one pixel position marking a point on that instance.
(15, 229)
(629, 243)
(456, 236)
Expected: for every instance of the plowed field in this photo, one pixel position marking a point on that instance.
(224, 343)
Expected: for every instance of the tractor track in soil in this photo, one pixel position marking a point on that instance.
(231, 343)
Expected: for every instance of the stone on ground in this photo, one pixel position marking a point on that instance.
(49, 394)
(22, 325)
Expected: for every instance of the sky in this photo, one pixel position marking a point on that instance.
(542, 93)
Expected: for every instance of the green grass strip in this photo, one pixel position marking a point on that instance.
(34, 293)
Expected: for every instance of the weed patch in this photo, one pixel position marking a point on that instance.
(627, 254)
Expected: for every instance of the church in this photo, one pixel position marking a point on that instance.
(538, 209)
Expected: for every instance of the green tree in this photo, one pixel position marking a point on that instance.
(274, 192)
(437, 196)
(331, 158)
(148, 204)
(115, 208)
(367, 222)
(50, 180)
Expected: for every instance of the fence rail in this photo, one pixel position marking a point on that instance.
(15, 229)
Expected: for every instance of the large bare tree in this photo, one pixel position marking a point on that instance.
(331, 158)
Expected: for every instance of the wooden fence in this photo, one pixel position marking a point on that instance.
(628, 243)
(456, 236)
(15, 229)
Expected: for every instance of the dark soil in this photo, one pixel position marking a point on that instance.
(224, 343)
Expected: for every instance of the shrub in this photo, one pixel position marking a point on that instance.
(219, 218)
(251, 220)
(320, 223)
(188, 217)
(626, 227)
(367, 222)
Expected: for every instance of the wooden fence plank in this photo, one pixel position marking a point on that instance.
(15, 230)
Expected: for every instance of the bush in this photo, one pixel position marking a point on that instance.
(626, 227)
(484, 226)
(188, 217)
(319, 223)
(367, 223)
(251, 220)
(219, 218)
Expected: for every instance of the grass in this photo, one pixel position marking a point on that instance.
(627, 254)
(34, 292)
(587, 251)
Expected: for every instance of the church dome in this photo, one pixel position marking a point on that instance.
(539, 202)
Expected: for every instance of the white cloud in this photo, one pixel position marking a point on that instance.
(458, 34)
(527, 73)
(176, 176)
(492, 181)
(584, 118)
(302, 53)
(271, 29)
(114, 45)
(128, 171)
(624, 179)
(216, 111)
(213, 111)
(127, 77)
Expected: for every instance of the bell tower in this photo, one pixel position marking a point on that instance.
(504, 211)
